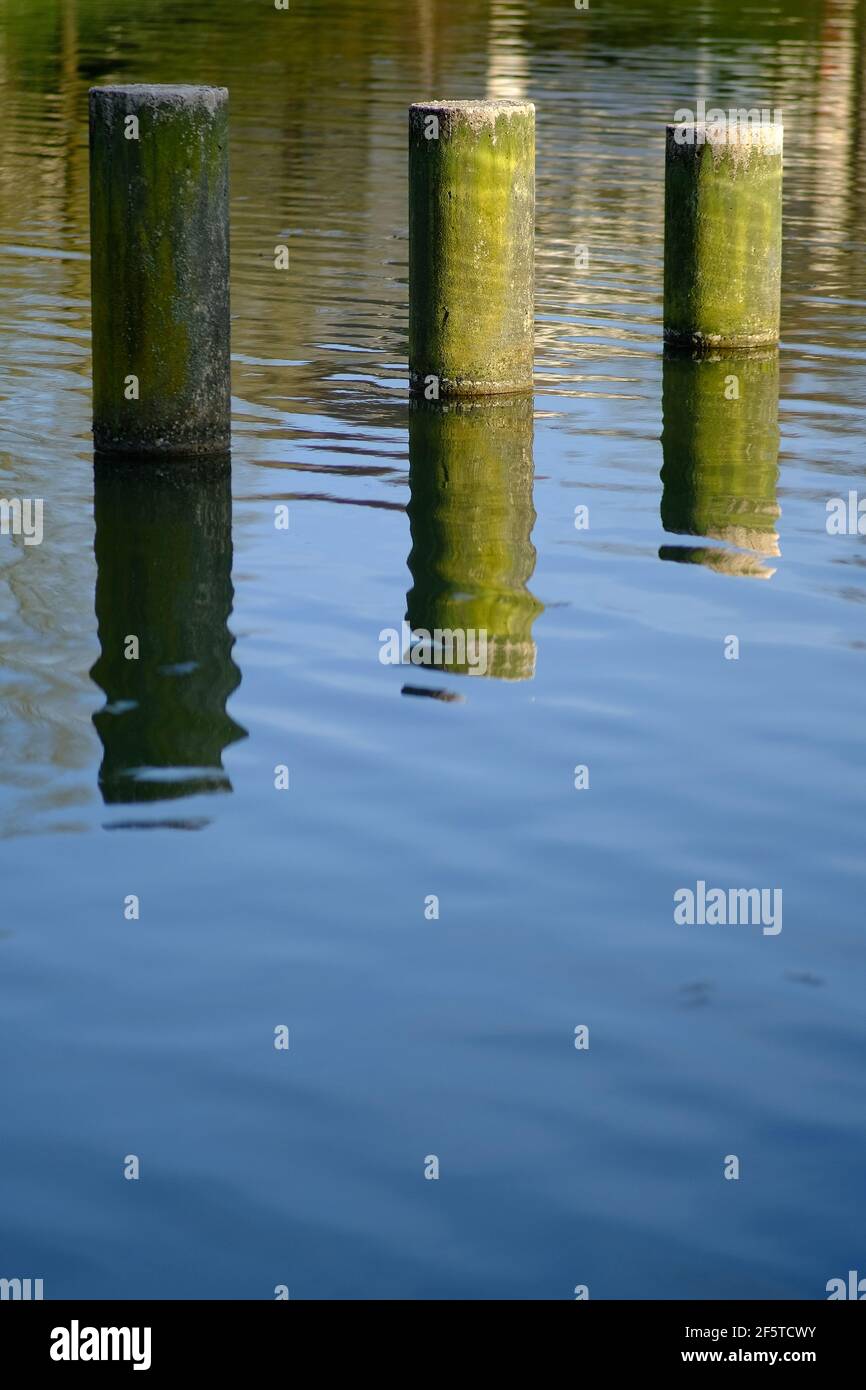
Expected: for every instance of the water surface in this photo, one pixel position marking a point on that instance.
(258, 907)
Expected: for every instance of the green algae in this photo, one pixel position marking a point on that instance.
(471, 238)
(159, 269)
(723, 241)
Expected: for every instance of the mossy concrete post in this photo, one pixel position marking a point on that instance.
(720, 442)
(723, 234)
(471, 248)
(159, 232)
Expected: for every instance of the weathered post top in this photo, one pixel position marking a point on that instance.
(476, 115)
(744, 137)
(162, 93)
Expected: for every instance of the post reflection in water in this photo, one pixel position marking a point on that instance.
(164, 559)
(720, 442)
(471, 517)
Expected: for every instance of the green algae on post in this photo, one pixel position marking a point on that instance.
(723, 234)
(471, 248)
(159, 230)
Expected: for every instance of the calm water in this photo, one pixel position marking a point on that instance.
(306, 907)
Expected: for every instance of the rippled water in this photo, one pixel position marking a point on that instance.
(451, 1037)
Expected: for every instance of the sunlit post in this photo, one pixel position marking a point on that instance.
(723, 233)
(471, 247)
